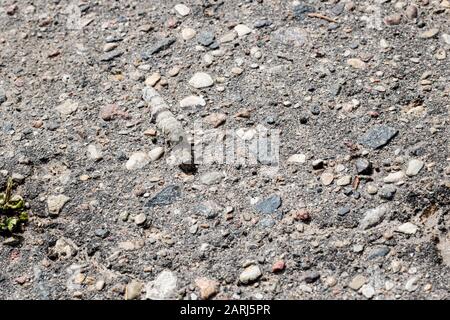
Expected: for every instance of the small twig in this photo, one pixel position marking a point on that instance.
(356, 183)
(321, 16)
(8, 192)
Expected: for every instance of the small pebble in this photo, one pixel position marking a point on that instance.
(182, 9)
(250, 274)
(140, 219)
(201, 80)
(357, 282)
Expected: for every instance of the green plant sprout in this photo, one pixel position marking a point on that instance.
(12, 213)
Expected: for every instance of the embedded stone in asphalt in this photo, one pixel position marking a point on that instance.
(378, 136)
(268, 205)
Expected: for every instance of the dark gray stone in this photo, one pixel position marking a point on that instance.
(311, 276)
(387, 192)
(52, 125)
(267, 223)
(315, 110)
(102, 233)
(300, 11)
(378, 252)
(271, 119)
(161, 45)
(333, 26)
(209, 209)
(338, 9)
(378, 136)
(268, 205)
(165, 197)
(122, 19)
(304, 118)
(111, 55)
(205, 38)
(343, 211)
(317, 164)
(262, 23)
(8, 127)
(27, 131)
(363, 166)
(121, 156)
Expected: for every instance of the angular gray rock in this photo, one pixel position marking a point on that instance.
(163, 287)
(182, 9)
(242, 30)
(94, 152)
(301, 10)
(250, 274)
(109, 56)
(408, 228)
(394, 177)
(210, 178)
(387, 192)
(156, 153)
(55, 203)
(378, 136)
(311, 276)
(368, 291)
(137, 160)
(378, 252)
(205, 38)
(159, 46)
(210, 209)
(373, 217)
(414, 167)
(133, 290)
(140, 219)
(268, 205)
(363, 166)
(165, 197)
(67, 107)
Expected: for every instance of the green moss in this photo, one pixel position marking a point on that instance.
(12, 210)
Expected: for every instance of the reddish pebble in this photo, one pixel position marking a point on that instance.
(302, 215)
(393, 20)
(15, 255)
(411, 12)
(37, 124)
(172, 22)
(278, 266)
(374, 114)
(21, 280)
(150, 132)
(111, 112)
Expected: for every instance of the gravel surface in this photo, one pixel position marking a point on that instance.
(357, 207)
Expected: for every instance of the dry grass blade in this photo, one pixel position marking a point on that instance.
(321, 16)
